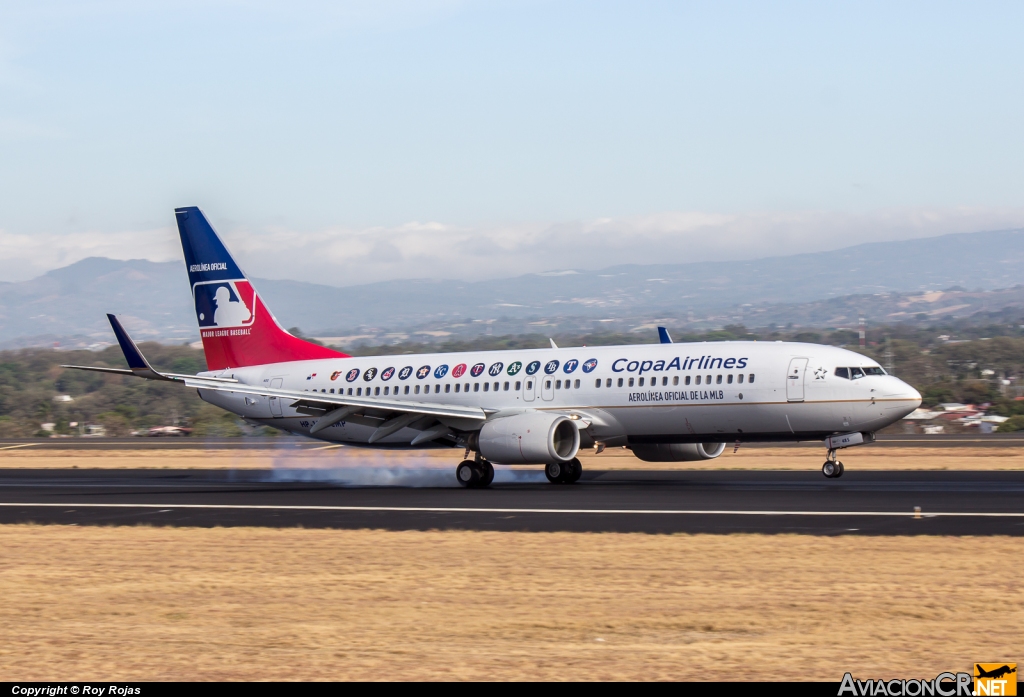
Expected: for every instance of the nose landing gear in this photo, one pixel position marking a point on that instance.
(833, 468)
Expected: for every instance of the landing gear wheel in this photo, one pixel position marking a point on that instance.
(575, 471)
(467, 474)
(555, 472)
(487, 473)
(829, 469)
(839, 472)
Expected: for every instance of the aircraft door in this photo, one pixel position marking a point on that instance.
(795, 380)
(547, 387)
(529, 388)
(275, 402)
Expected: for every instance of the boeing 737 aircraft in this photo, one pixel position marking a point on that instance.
(666, 402)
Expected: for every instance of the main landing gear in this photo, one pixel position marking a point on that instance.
(833, 468)
(475, 474)
(564, 472)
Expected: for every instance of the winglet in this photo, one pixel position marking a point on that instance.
(663, 335)
(553, 344)
(136, 361)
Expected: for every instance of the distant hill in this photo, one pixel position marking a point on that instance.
(154, 297)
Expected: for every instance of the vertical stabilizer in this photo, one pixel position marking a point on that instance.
(236, 327)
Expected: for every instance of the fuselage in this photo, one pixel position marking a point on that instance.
(637, 394)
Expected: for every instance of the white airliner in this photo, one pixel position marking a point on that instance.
(666, 402)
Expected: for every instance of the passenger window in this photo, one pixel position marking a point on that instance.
(547, 384)
(718, 381)
(332, 390)
(687, 381)
(359, 392)
(447, 388)
(518, 385)
(609, 383)
(739, 378)
(437, 388)
(407, 389)
(505, 388)
(751, 379)
(558, 384)
(675, 379)
(417, 390)
(598, 383)
(496, 386)
(487, 386)
(708, 380)
(697, 381)
(641, 383)
(631, 382)
(620, 382)
(856, 373)
(385, 390)
(529, 384)
(843, 373)
(729, 379)
(457, 387)
(576, 384)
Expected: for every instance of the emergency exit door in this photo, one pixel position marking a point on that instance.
(275, 402)
(795, 380)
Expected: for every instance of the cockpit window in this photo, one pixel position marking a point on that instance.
(843, 373)
(874, 371)
(856, 373)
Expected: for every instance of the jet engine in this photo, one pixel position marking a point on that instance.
(678, 452)
(530, 438)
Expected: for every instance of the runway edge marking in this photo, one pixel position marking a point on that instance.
(432, 509)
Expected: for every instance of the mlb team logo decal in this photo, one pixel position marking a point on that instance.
(533, 367)
(476, 370)
(423, 372)
(387, 374)
(405, 372)
(459, 370)
(495, 369)
(514, 367)
(589, 365)
(441, 371)
(352, 375)
(370, 374)
(225, 303)
(570, 365)
(551, 367)
(334, 375)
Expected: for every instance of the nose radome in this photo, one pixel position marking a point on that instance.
(901, 390)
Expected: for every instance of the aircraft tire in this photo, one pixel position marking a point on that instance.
(467, 474)
(829, 469)
(555, 472)
(486, 474)
(575, 472)
(839, 472)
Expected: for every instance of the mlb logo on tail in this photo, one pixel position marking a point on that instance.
(224, 303)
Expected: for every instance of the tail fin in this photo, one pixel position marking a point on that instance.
(236, 327)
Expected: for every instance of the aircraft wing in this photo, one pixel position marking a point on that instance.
(338, 406)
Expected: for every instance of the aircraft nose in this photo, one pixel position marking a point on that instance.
(907, 392)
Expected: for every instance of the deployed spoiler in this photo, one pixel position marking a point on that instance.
(315, 401)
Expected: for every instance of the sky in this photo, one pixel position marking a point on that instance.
(353, 142)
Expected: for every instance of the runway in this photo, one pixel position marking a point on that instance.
(861, 503)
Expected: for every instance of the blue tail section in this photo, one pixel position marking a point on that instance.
(206, 256)
(663, 335)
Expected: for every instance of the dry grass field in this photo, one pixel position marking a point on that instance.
(870, 457)
(247, 604)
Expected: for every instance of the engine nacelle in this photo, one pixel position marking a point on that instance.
(678, 452)
(530, 438)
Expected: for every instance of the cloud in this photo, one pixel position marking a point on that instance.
(343, 256)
